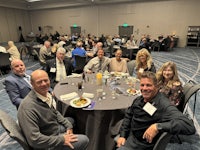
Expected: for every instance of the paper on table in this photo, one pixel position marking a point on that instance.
(74, 75)
(88, 95)
(90, 107)
(69, 96)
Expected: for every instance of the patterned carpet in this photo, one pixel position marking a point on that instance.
(188, 64)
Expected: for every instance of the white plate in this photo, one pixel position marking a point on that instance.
(76, 103)
(136, 92)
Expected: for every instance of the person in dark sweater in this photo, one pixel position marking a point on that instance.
(149, 116)
(43, 126)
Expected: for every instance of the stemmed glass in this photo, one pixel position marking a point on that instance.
(99, 94)
(113, 93)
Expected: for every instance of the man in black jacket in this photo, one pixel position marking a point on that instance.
(59, 67)
(149, 116)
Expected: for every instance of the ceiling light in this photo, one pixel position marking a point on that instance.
(33, 0)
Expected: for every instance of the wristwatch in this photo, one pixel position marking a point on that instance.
(159, 127)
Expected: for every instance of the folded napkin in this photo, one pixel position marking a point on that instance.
(118, 90)
(74, 75)
(88, 95)
(68, 96)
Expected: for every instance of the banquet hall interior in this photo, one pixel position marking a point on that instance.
(28, 23)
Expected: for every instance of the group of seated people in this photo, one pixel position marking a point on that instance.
(12, 50)
(87, 41)
(44, 127)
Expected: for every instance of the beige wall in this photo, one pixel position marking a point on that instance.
(164, 17)
(10, 20)
(168, 17)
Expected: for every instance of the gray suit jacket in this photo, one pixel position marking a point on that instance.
(17, 88)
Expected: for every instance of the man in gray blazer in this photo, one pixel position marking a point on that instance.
(17, 84)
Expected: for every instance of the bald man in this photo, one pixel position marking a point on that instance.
(43, 126)
(17, 84)
(45, 51)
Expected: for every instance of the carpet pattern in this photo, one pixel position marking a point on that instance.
(188, 64)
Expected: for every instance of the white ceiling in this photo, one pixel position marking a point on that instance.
(47, 4)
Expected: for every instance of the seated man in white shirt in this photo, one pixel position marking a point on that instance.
(59, 67)
(98, 63)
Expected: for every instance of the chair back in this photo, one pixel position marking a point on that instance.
(13, 129)
(125, 52)
(31, 52)
(80, 63)
(156, 45)
(38, 58)
(162, 141)
(4, 59)
(22, 50)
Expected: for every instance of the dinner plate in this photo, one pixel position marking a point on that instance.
(131, 93)
(80, 102)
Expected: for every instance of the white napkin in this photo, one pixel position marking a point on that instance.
(74, 75)
(68, 96)
(88, 95)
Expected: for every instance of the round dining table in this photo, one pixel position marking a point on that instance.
(101, 121)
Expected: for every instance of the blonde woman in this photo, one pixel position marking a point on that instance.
(13, 51)
(144, 62)
(169, 83)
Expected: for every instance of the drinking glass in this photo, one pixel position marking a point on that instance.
(80, 84)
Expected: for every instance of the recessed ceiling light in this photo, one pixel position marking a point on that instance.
(33, 0)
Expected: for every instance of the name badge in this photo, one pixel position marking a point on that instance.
(141, 70)
(53, 70)
(149, 108)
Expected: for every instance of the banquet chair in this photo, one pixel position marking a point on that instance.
(31, 52)
(22, 50)
(125, 52)
(38, 58)
(13, 129)
(160, 144)
(156, 45)
(190, 91)
(111, 50)
(107, 51)
(80, 63)
(131, 66)
(162, 141)
(4, 61)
